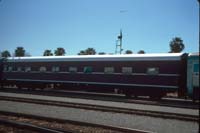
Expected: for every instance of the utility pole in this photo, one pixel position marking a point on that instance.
(199, 24)
(120, 44)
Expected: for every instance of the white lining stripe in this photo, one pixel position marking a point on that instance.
(102, 73)
(99, 83)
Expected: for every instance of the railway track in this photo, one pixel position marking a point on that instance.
(44, 124)
(185, 117)
(29, 127)
(168, 102)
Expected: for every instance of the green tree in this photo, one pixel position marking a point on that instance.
(5, 54)
(141, 52)
(176, 45)
(88, 51)
(129, 52)
(19, 52)
(101, 53)
(47, 52)
(59, 52)
(82, 52)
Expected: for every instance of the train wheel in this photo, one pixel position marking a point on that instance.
(128, 94)
(155, 97)
(116, 91)
(19, 87)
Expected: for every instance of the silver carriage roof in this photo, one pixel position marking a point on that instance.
(194, 54)
(125, 57)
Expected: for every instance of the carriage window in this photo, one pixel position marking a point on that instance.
(27, 69)
(5, 68)
(10, 68)
(55, 69)
(72, 69)
(108, 70)
(152, 71)
(127, 70)
(43, 69)
(87, 69)
(19, 69)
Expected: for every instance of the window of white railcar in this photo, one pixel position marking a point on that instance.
(152, 71)
(108, 70)
(87, 69)
(73, 69)
(55, 69)
(43, 69)
(27, 69)
(196, 68)
(127, 70)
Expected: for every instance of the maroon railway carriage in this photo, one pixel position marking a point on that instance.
(153, 75)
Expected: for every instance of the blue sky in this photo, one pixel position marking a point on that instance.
(75, 25)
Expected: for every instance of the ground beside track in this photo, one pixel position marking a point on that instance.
(52, 124)
(107, 118)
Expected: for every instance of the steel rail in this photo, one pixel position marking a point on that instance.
(29, 126)
(109, 97)
(159, 114)
(167, 102)
(115, 128)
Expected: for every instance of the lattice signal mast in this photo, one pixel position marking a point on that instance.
(119, 44)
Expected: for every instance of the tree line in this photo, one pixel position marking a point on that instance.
(176, 45)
